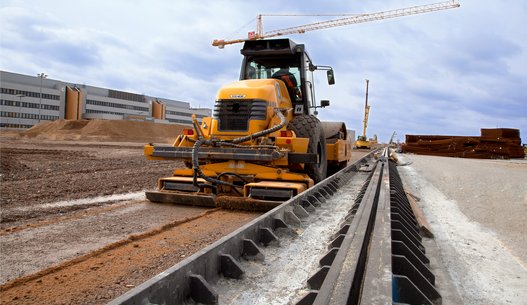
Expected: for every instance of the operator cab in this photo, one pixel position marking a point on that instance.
(289, 73)
(287, 61)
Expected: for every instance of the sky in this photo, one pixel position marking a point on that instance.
(450, 72)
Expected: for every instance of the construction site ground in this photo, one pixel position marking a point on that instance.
(477, 210)
(75, 225)
(76, 228)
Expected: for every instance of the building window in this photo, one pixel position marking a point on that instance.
(170, 112)
(10, 125)
(126, 96)
(116, 105)
(179, 121)
(30, 94)
(31, 116)
(28, 105)
(101, 111)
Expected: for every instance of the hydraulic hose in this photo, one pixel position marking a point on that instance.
(263, 132)
(197, 170)
(225, 143)
(234, 142)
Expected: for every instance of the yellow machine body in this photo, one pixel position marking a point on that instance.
(362, 143)
(260, 147)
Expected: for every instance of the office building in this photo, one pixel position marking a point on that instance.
(27, 100)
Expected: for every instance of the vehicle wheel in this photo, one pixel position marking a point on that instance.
(308, 126)
(334, 168)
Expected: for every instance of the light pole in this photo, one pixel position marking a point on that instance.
(41, 76)
(20, 96)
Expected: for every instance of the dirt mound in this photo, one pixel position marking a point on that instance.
(105, 131)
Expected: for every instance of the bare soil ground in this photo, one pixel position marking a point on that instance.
(110, 270)
(64, 160)
(38, 172)
(75, 227)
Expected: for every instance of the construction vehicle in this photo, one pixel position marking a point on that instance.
(374, 141)
(362, 140)
(263, 144)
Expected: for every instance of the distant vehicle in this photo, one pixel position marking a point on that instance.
(362, 141)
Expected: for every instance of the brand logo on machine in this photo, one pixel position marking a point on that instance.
(234, 164)
(237, 95)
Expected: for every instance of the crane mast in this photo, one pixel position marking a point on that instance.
(362, 140)
(366, 112)
(361, 18)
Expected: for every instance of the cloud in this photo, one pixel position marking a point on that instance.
(446, 72)
(45, 40)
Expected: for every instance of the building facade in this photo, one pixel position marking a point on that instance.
(27, 100)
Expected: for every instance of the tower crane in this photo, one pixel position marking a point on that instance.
(362, 140)
(360, 18)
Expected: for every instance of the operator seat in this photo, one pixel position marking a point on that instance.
(290, 82)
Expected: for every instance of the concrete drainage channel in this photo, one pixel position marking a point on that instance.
(377, 256)
(275, 258)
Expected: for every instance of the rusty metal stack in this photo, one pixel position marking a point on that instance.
(498, 143)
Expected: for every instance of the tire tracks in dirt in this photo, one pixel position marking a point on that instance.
(86, 211)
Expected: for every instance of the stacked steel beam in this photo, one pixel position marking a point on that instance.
(499, 143)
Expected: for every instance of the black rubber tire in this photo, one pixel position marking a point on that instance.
(336, 167)
(308, 126)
